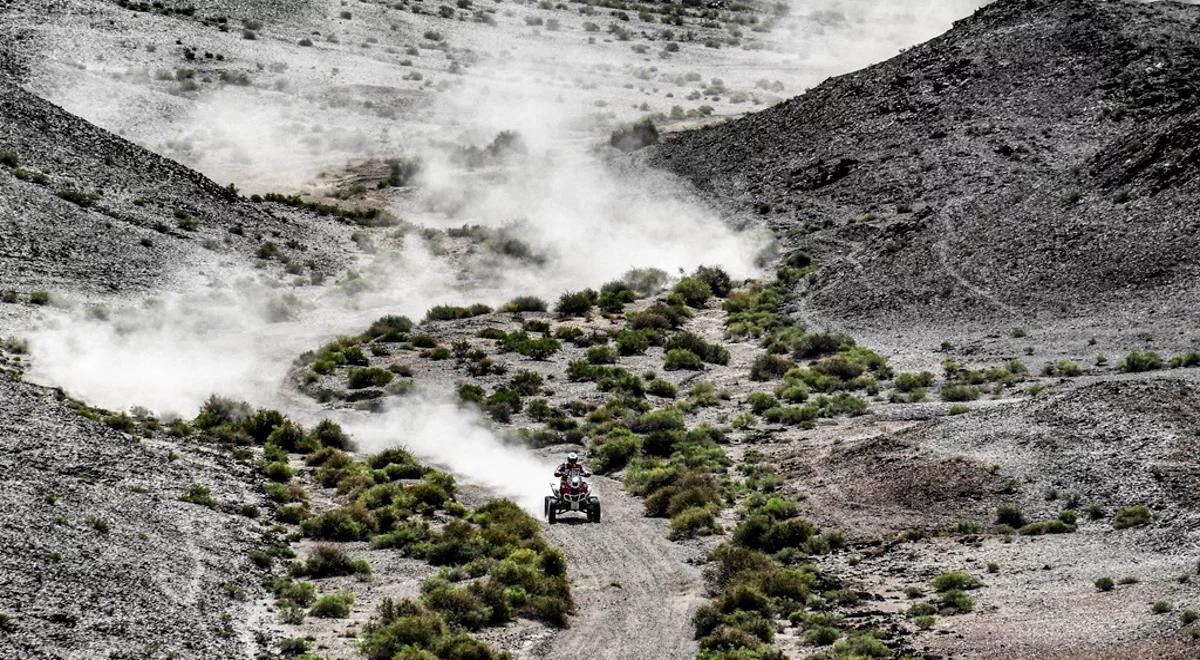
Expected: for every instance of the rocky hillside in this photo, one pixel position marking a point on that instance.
(1038, 160)
(103, 557)
(82, 208)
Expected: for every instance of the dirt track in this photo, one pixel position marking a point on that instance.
(635, 591)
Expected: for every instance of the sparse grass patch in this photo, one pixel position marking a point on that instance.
(524, 304)
(951, 580)
(956, 601)
(199, 494)
(677, 359)
(694, 521)
(452, 313)
(333, 606)
(770, 367)
(1136, 361)
(1130, 516)
(330, 561)
(1011, 515)
(957, 392)
(578, 303)
(79, 198)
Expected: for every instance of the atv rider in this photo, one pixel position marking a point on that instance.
(573, 464)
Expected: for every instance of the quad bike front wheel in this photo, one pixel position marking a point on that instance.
(551, 511)
(594, 514)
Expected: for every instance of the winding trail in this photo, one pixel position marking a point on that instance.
(947, 218)
(634, 589)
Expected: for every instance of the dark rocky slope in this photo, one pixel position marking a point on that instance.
(1040, 159)
(100, 557)
(85, 209)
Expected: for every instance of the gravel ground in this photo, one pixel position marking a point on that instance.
(101, 557)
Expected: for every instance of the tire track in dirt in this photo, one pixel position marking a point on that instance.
(634, 589)
(947, 218)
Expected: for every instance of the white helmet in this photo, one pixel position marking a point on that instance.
(572, 457)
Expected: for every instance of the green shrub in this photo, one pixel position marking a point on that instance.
(79, 198)
(602, 355)
(956, 601)
(816, 344)
(791, 415)
(524, 304)
(1011, 515)
(292, 646)
(632, 342)
(39, 297)
(577, 303)
(615, 295)
(352, 522)
(330, 561)
(761, 532)
(694, 521)
(861, 645)
(911, 381)
(1137, 361)
(502, 404)
(9, 158)
(401, 629)
(363, 377)
(458, 606)
(289, 591)
(292, 513)
(389, 329)
(1103, 584)
(454, 313)
(659, 420)
(1161, 607)
(717, 280)
(958, 392)
(1189, 359)
(680, 358)
(634, 136)
(770, 367)
(616, 450)
(662, 388)
(289, 437)
(1130, 516)
(1055, 526)
(694, 292)
(526, 382)
(199, 494)
(842, 403)
(328, 433)
(333, 606)
(760, 402)
(954, 580)
(711, 353)
(821, 635)
(395, 464)
(278, 471)
(537, 349)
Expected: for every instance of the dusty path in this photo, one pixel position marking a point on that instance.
(635, 591)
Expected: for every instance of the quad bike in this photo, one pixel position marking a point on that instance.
(573, 493)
